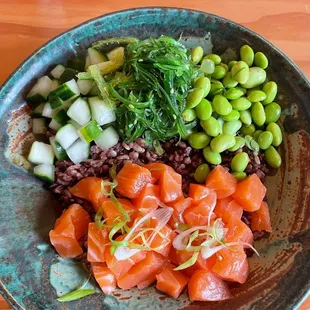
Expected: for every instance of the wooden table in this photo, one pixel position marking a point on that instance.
(26, 24)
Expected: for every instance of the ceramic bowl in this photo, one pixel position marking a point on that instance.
(279, 278)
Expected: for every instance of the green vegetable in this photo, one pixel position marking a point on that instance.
(228, 81)
(247, 55)
(222, 142)
(234, 115)
(221, 105)
(247, 130)
(199, 140)
(273, 158)
(211, 157)
(77, 294)
(219, 72)
(207, 66)
(189, 115)
(211, 126)
(216, 88)
(258, 114)
(240, 176)
(241, 104)
(276, 133)
(256, 134)
(240, 162)
(240, 72)
(90, 131)
(204, 83)
(273, 112)
(233, 93)
(232, 127)
(265, 140)
(204, 109)
(214, 57)
(194, 97)
(231, 64)
(197, 54)
(251, 143)
(240, 142)
(270, 89)
(261, 60)
(201, 173)
(256, 96)
(257, 76)
(246, 117)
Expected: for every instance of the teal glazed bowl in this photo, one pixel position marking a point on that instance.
(279, 278)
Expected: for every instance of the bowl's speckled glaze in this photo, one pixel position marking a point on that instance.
(279, 278)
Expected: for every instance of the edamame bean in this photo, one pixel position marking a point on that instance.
(188, 115)
(273, 112)
(194, 98)
(247, 130)
(197, 54)
(201, 173)
(231, 64)
(239, 162)
(214, 57)
(234, 115)
(260, 60)
(228, 81)
(240, 142)
(241, 104)
(242, 89)
(211, 126)
(240, 72)
(219, 72)
(257, 76)
(239, 176)
(273, 158)
(233, 93)
(258, 114)
(232, 127)
(270, 89)
(249, 91)
(211, 157)
(203, 83)
(247, 55)
(215, 115)
(216, 88)
(222, 142)
(257, 134)
(256, 96)
(265, 140)
(221, 105)
(276, 133)
(221, 122)
(246, 117)
(204, 109)
(207, 66)
(199, 140)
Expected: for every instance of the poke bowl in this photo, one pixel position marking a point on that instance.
(155, 158)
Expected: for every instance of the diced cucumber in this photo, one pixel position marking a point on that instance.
(41, 153)
(85, 86)
(75, 124)
(55, 101)
(38, 110)
(48, 111)
(45, 172)
(79, 111)
(95, 56)
(61, 117)
(39, 91)
(68, 75)
(58, 71)
(78, 151)
(66, 135)
(101, 111)
(39, 126)
(58, 150)
(90, 132)
(67, 90)
(108, 138)
(87, 62)
(54, 125)
(94, 90)
(55, 84)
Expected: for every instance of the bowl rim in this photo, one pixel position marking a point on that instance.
(303, 293)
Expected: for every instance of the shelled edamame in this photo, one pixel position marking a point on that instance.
(229, 102)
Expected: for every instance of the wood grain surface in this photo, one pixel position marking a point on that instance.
(27, 24)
